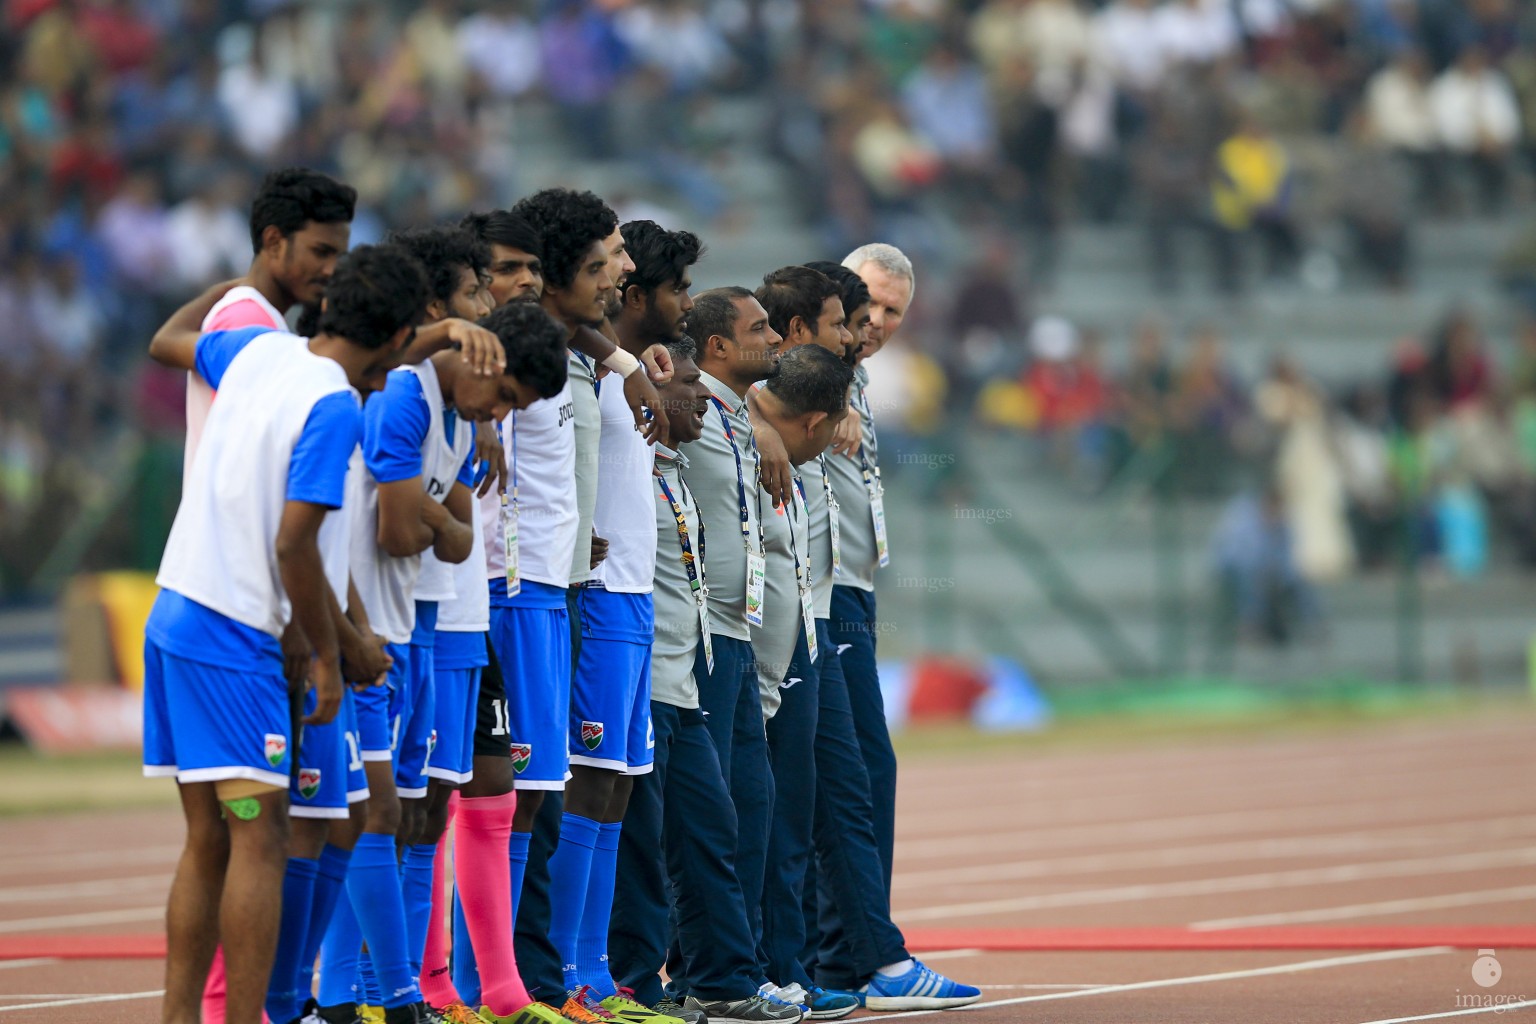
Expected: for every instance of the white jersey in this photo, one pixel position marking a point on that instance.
(241, 306)
(470, 609)
(540, 443)
(390, 586)
(222, 548)
(626, 516)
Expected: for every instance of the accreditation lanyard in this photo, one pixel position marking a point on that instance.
(803, 571)
(597, 385)
(509, 514)
(834, 516)
(876, 489)
(698, 582)
(757, 565)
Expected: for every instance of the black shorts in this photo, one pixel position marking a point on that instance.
(491, 729)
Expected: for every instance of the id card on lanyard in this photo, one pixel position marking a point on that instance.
(803, 574)
(509, 513)
(757, 564)
(698, 582)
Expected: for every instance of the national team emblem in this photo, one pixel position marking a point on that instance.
(277, 748)
(522, 754)
(432, 743)
(309, 782)
(592, 734)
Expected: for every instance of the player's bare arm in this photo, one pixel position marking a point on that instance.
(303, 576)
(481, 350)
(639, 392)
(454, 536)
(363, 659)
(488, 450)
(175, 343)
(776, 474)
(404, 528)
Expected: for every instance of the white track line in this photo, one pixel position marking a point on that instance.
(48, 860)
(1335, 874)
(1383, 907)
(84, 1000)
(1402, 812)
(94, 889)
(37, 924)
(1276, 848)
(1201, 979)
(37, 961)
(951, 954)
(1504, 1008)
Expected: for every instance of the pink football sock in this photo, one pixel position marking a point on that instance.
(436, 982)
(485, 886)
(215, 989)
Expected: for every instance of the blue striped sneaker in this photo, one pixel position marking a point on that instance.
(921, 988)
(781, 997)
(827, 1005)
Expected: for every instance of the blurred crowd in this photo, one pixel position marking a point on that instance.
(133, 131)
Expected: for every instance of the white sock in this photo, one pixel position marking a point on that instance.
(898, 968)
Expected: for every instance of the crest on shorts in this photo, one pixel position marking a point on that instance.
(277, 748)
(309, 782)
(432, 743)
(522, 754)
(592, 734)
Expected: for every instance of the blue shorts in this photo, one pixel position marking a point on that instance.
(375, 708)
(330, 770)
(610, 716)
(457, 706)
(205, 723)
(411, 714)
(533, 646)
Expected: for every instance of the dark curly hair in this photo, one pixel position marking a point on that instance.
(534, 344)
(445, 252)
(290, 198)
(791, 292)
(503, 227)
(660, 256)
(569, 222)
(811, 379)
(855, 291)
(375, 291)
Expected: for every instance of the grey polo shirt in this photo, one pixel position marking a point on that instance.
(589, 428)
(785, 535)
(677, 618)
(813, 480)
(857, 522)
(711, 474)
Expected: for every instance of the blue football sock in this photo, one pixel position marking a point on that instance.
(340, 954)
(570, 869)
(466, 973)
(283, 999)
(373, 883)
(592, 933)
(330, 884)
(517, 854)
(416, 890)
(368, 982)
